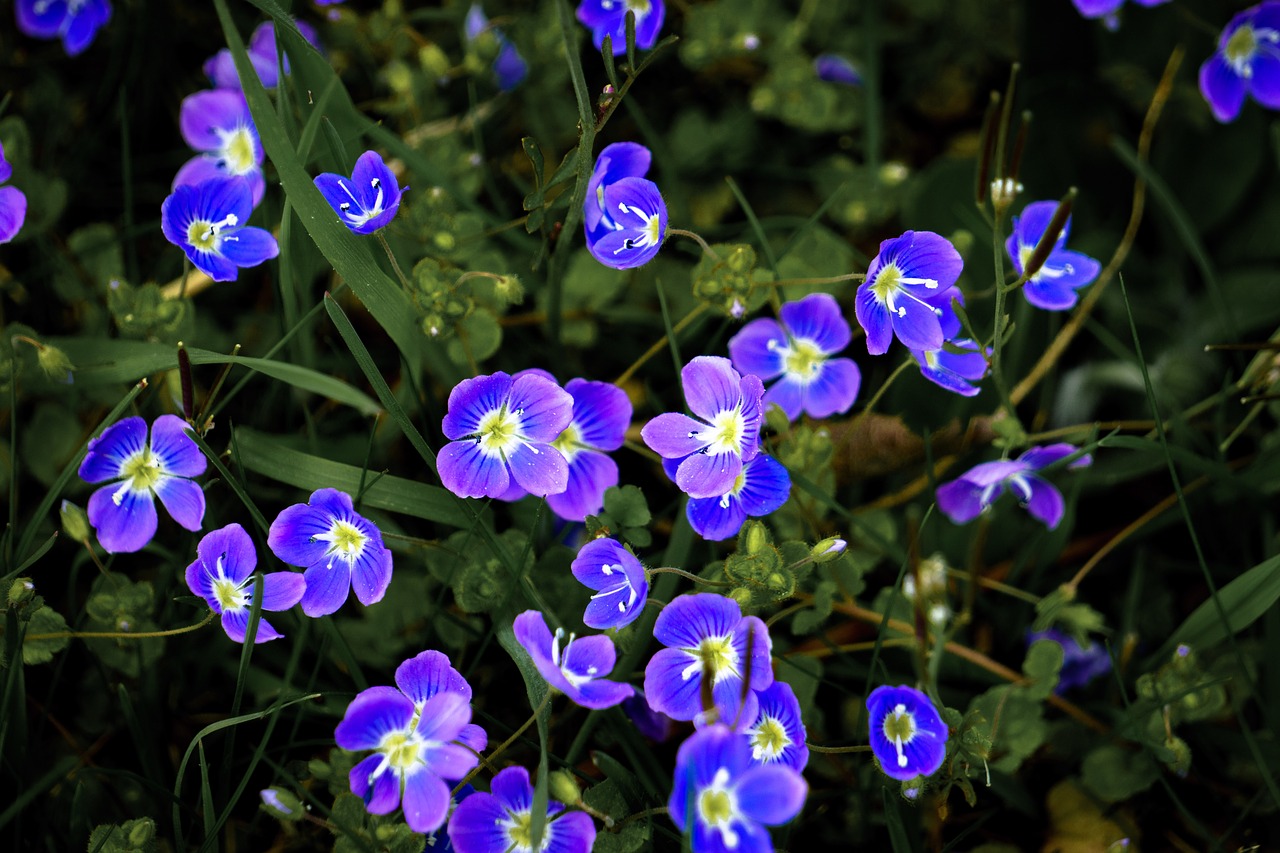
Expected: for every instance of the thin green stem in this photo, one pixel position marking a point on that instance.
(667, 570)
(838, 750)
(833, 279)
(122, 635)
(546, 700)
(871, 404)
(697, 312)
(391, 256)
(707, 250)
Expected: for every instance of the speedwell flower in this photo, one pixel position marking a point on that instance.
(576, 667)
(1247, 61)
(217, 123)
(959, 372)
(500, 429)
(415, 751)
(222, 575)
(761, 487)
(614, 162)
(366, 201)
(1054, 285)
(777, 735)
(509, 67)
(712, 450)
(633, 225)
(340, 549)
(423, 676)
(619, 580)
(501, 821)
(601, 415)
(206, 222)
(123, 512)
(909, 272)
(13, 203)
(707, 637)
(908, 736)
(221, 68)
(834, 68)
(1080, 664)
(798, 353)
(609, 18)
(76, 22)
(964, 499)
(727, 798)
(1108, 10)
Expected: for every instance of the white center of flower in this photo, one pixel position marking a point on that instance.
(403, 752)
(715, 655)
(718, 808)
(236, 152)
(650, 231)
(725, 434)
(801, 359)
(900, 729)
(768, 739)
(141, 472)
(360, 215)
(560, 657)
(346, 542)
(625, 583)
(500, 432)
(570, 443)
(205, 235)
(519, 829)
(231, 598)
(889, 285)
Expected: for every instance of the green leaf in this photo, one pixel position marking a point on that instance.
(1042, 666)
(1244, 600)
(44, 621)
(1115, 774)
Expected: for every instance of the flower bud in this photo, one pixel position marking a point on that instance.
(564, 787)
(75, 523)
(828, 549)
(742, 597)
(509, 289)
(281, 804)
(55, 364)
(755, 538)
(433, 60)
(21, 591)
(142, 833)
(1180, 762)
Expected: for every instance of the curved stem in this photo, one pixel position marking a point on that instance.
(680, 232)
(546, 700)
(837, 750)
(657, 810)
(833, 279)
(667, 570)
(871, 404)
(395, 265)
(122, 635)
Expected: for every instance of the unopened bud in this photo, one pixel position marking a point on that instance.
(55, 364)
(755, 538)
(281, 804)
(509, 289)
(1050, 237)
(742, 596)
(21, 591)
(433, 60)
(564, 787)
(75, 523)
(1180, 762)
(142, 833)
(828, 549)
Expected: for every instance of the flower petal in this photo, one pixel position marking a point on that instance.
(817, 318)
(282, 590)
(183, 499)
(248, 247)
(178, 453)
(590, 474)
(1046, 502)
(673, 435)
(327, 588)
(711, 386)
(478, 824)
(443, 716)
(666, 688)
(1222, 87)
(690, 618)
(601, 413)
(429, 673)
(833, 390)
(916, 324)
(756, 348)
(381, 794)
(231, 547)
(371, 573)
(540, 469)
(544, 408)
(716, 519)
(472, 399)
(765, 488)
(109, 451)
(13, 212)
(126, 526)
(469, 472)
(206, 113)
(771, 795)
(708, 475)
(426, 802)
(873, 316)
(371, 716)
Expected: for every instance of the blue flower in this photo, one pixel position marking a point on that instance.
(1247, 61)
(222, 575)
(959, 372)
(712, 450)
(761, 487)
(624, 216)
(415, 750)
(1080, 664)
(615, 162)
(777, 735)
(509, 67)
(907, 735)
(501, 821)
(654, 725)
(578, 667)
(619, 580)
(366, 201)
(123, 511)
(423, 676)
(1108, 10)
(964, 499)
(908, 273)
(76, 22)
(707, 637)
(206, 222)
(339, 548)
(13, 203)
(609, 18)
(500, 429)
(834, 68)
(725, 800)
(221, 68)
(799, 351)
(217, 122)
(1054, 285)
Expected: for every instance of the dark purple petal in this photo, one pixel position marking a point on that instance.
(282, 590)
(472, 399)
(616, 161)
(534, 636)
(590, 474)
(601, 693)
(371, 716)
(1045, 501)
(1030, 226)
(126, 526)
(183, 500)
(426, 802)
(1097, 8)
(84, 25)
(232, 547)
(601, 413)
(429, 673)
(109, 451)
(673, 435)
(1222, 87)
(817, 318)
(755, 349)
(41, 20)
(469, 472)
(962, 501)
(539, 469)
(667, 690)
(327, 588)
(236, 624)
(834, 68)
(13, 212)
(689, 619)
(873, 317)
(544, 408)
(766, 486)
(771, 795)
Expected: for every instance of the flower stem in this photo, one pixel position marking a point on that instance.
(680, 232)
(871, 404)
(679, 327)
(546, 700)
(122, 635)
(667, 570)
(832, 279)
(395, 265)
(837, 750)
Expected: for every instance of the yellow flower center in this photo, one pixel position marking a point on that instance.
(499, 432)
(900, 728)
(769, 740)
(237, 151)
(402, 751)
(715, 656)
(142, 470)
(716, 807)
(569, 443)
(803, 360)
(230, 597)
(725, 433)
(640, 7)
(1241, 45)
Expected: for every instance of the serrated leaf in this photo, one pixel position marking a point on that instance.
(1042, 665)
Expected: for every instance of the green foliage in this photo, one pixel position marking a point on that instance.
(132, 836)
(1114, 774)
(729, 281)
(625, 516)
(356, 830)
(119, 605)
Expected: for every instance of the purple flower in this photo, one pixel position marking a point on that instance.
(632, 226)
(964, 499)
(500, 429)
(13, 203)
(799, 351)
(221, 68)
(1054, 286)
(366, 201)
(834, 68)
(339, 548)
(619, 580)
(777, 735)
(959, 372)
(423, 676)
(223, 576)
(1247, 61)
(712, 450)
(727, 797)
(761, 487)
(1108, 10)
(1080, 664)
(205, 221)
(578, 667)
(615, 162)
(895, 299)
(907, 735)
(509, 67)
(123, 511)
(415, 750)
(654, 725)
(76, 22)
(601, 415)
(217, 122)
(501, 821)
(707, 637)
(609, 18)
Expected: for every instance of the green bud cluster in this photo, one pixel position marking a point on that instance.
(1183, 688)
(758, 570)
(730, 283)
(443, 302)
(143, 313)
(75, 522)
